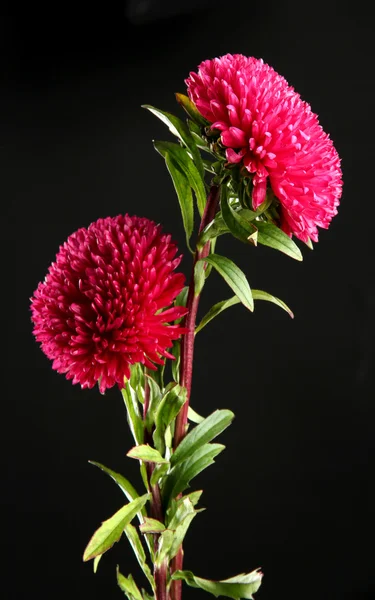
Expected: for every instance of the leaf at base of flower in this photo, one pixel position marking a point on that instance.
(272, 236)
(241, 586)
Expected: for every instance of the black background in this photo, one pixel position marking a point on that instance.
(292, 492)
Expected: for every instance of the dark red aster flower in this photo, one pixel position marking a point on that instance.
(102, 305)
(265, 124)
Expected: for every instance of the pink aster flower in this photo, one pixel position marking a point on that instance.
(266, 126)
(102, 306)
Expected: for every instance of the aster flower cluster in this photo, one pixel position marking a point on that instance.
(266, 127)
(113, 310)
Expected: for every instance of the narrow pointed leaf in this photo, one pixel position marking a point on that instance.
(147, 454)
(184, 195)
(180, 130)
(191, 110)
(111, 530)
(136, 544)
(216, 309)
(234, 277)
(185, 162)
(96, 562)
(134, 417)
(167, 411)
(151, 526)
(241, 229)
(180, 533)
(241, 586)
(272, 236)
(260, 295)
(158, 473)
(180, 476)
(215, 228)
(125, 485)
(194, 417)
(128, 586)
(206, 431)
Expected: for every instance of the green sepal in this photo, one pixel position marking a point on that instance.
(206, 431)
(272, 236)
(184, 195)
(111, 530)
(128, 586)
(151, 526)
(180, 476)
(192, 110)
(241, 586)
(241, 229)
(181, 131)
(216, 309)
(136, 544)
(185, 162)
(166, 412)
(235, 278)
(147, 454)
(133, 413)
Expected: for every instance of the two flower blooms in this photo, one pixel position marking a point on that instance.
(104, 303)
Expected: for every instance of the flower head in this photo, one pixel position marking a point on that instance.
(266, 126)
(101, 307)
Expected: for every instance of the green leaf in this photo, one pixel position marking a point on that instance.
(180, 476)
(214, 229)
(155, 398)
(241, 586)
(181, 131)
(216, 309)
(175, 364)
(194, 417)
(260, 295)
(134, 416)
(234, 277)
(180, 533)
(147, 454)
(111, 530)
(199, 278)
(128, 586)
(272, 236)
(192, 110)
(181, 299)
(151, 526)
(174, 505)
(158, 473)
(187, 165)
(96, 562)
(125, 485)
(206, 431)
(164, 545)
(184, 195)
(240, 228)
(136, 544)
(167, 411)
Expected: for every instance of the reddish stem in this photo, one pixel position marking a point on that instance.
(186, 361)
(187, 344)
